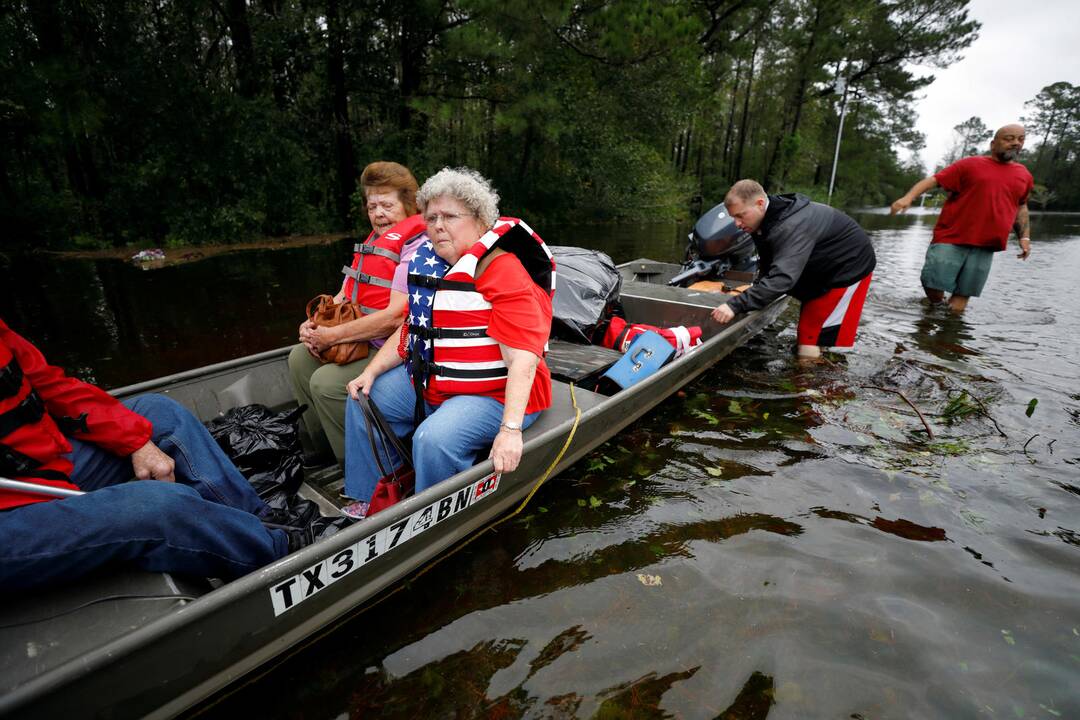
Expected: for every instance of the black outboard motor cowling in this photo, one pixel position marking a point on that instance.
(715, 235)
(715, 246)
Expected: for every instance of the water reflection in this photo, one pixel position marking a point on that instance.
(942, 333)
(777, 540)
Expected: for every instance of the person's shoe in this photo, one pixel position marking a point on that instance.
(298, 538)
(357, 510)
(319, 529)
(325, 527)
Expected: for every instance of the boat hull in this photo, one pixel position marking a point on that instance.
(185, 656)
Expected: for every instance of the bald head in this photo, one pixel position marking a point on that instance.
(1007, 143)
(746, 202)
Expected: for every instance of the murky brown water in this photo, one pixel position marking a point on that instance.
(777, 541)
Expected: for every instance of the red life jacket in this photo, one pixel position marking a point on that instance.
(466, 361)
(30, 441)
(39, 405)
(369, 278)
(620, 334)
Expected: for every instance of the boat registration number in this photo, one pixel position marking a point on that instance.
(292, 591)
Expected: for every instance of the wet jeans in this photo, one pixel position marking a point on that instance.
(204, 524)
(446, 443)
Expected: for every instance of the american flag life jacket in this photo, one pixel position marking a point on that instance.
(369, 277)
(449, 350)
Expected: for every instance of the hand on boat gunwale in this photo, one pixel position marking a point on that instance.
(150, 463)
(506, 451)
(723, 314)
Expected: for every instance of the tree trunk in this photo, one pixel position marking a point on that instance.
(335, 71)
(247, 73)
(737, 170)
(726, 155)
(803, 81)
(278, 68)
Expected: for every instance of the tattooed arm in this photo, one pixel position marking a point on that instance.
(1022, 227)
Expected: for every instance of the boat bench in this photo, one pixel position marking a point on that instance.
(580, 364)
(52, 625)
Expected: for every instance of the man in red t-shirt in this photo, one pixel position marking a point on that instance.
(987, 195)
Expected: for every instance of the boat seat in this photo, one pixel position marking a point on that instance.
(579, 364)
(54, 625)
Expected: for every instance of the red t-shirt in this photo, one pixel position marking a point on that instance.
(520, 318)
(984, 195)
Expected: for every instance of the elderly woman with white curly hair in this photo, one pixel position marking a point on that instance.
(468, 371)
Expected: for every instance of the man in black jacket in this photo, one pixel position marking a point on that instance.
(810, 251)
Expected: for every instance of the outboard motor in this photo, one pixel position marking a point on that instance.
(715, 246)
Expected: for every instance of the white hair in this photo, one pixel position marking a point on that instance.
(468, 186)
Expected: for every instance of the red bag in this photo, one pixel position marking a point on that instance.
(399, 483)
(391, 489)
(620, 334)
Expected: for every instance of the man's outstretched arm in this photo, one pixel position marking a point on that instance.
(924, 185)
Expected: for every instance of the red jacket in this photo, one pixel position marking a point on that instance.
(33, 397)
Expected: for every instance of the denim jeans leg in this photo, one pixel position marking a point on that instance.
(393, 394)
(450, 439)
(94, 468)
(200, 461)
(157, 526)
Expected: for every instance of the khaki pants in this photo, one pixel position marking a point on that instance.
(322, 388)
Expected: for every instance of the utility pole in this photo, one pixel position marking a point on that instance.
(842, 88)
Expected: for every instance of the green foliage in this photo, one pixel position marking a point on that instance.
(216, 122)
(1053, 134)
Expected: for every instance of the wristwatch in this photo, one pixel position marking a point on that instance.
(512, 426)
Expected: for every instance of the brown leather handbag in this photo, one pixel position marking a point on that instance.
(323, 311)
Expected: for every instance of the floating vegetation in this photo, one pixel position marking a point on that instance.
(952, 446)
(958, 408)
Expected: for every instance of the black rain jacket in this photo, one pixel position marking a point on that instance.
(805, 249)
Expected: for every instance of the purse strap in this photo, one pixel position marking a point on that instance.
(316, 304)
(377, 425)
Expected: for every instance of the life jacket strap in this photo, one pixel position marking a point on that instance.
(429, 333)
(27, 412)
(364, 278)
(15, 464)
(11, 377)
(429, 368)
(368, 249)
(427, 281)
(71, 425)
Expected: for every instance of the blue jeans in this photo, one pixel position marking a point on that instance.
(446, 443)
(204, 524)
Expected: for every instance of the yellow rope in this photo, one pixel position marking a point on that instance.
(319, 635)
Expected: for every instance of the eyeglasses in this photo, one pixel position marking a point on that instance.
(447, 218)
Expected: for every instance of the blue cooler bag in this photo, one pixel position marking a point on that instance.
(648, 353)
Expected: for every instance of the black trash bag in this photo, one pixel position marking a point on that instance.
(264, 445)
(289, 509)
(586, 293)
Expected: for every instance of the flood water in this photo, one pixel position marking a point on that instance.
(777, 541)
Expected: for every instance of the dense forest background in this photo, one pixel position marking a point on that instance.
(135, 121)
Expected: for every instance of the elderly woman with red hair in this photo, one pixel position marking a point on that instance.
(376, 280)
